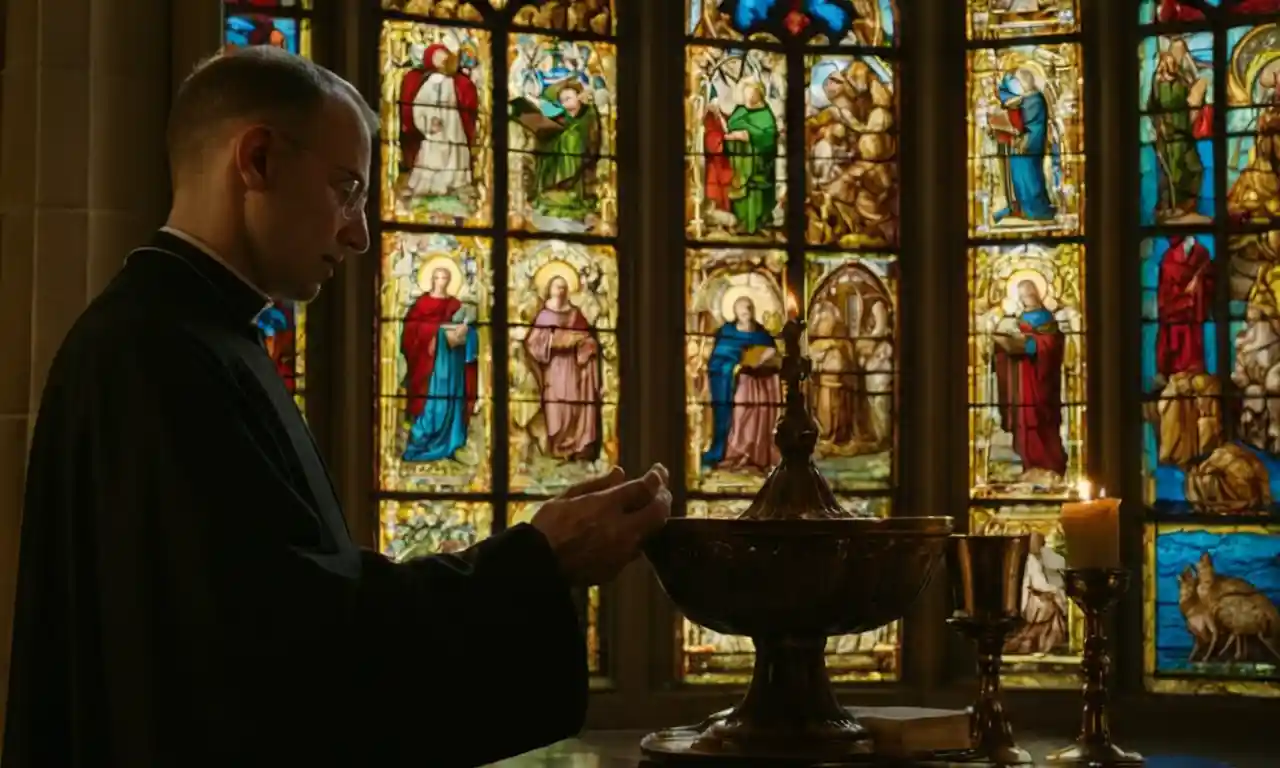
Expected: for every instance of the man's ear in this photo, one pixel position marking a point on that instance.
(253, 155)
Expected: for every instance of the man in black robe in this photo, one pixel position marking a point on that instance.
(188, 593)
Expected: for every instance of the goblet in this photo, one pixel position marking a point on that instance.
(1096, 591)
(986, 581)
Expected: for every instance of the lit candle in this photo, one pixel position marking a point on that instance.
(1091, 528)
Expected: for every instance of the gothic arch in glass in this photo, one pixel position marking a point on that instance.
(1026, 261)
(791, 211)
(497, 348)
(1208, 159)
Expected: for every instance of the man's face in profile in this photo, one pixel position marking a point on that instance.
(311, 215)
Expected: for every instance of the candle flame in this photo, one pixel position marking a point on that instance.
(793, 306)
(1102, 493)
(1084, 490)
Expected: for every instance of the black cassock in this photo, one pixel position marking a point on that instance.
(188, 593)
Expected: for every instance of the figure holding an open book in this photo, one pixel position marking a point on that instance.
(566, 137)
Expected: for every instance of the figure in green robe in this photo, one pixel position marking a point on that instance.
(565, 164)
(1181, 171)
(751, 144)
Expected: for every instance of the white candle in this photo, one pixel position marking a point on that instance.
(1091, 528)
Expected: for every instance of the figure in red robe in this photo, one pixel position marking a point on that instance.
(1184, 298)
(441, 377)
(435, 58)
(1029, 384)
(719, 173)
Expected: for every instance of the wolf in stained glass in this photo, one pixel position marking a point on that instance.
(1211, 612)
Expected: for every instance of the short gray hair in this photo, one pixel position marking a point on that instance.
(254, 82)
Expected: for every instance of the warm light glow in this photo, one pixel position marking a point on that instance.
(793, 306)
(1084, 490)
(1102, 493)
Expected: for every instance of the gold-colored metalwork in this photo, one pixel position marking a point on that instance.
(1096, 591)
(792, 570)
(986, 581)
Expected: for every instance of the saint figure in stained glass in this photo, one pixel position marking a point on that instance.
(742, 152)
(743, 375)
(565, 129)
(438, 108)
(566, 359)
(1181, 117)
(1028, 369)
(561, 128)
(1184, 303)
(441, 348)
(1026, 140)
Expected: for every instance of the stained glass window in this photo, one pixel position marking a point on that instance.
(1026, 262)
(1208, 154)
(791, 211)
(286, 24)
(498, 299)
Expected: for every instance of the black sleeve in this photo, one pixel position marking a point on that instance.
(448, 660)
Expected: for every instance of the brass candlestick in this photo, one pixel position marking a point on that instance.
(1096, 591)
(986, 581)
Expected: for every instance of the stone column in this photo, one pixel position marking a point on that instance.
(83, 179)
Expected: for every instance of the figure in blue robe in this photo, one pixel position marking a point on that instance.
(731, 345)
(441, 429)
(1025, 187)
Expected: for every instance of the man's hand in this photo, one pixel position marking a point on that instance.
(597, 527)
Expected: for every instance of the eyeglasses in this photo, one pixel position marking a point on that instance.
(351, 190)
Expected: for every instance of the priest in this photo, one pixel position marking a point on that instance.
(188, 593)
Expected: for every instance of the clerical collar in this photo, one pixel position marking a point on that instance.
(208, 251)
(241, 298)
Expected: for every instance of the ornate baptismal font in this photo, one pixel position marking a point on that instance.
(794, 569)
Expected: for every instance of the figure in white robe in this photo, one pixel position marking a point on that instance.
(443, 165)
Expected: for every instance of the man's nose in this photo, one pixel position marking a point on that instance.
(354, 235)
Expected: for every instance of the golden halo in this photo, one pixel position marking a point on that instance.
(555, 268)
(764, 300)
(441, 262)
(1035, 276)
